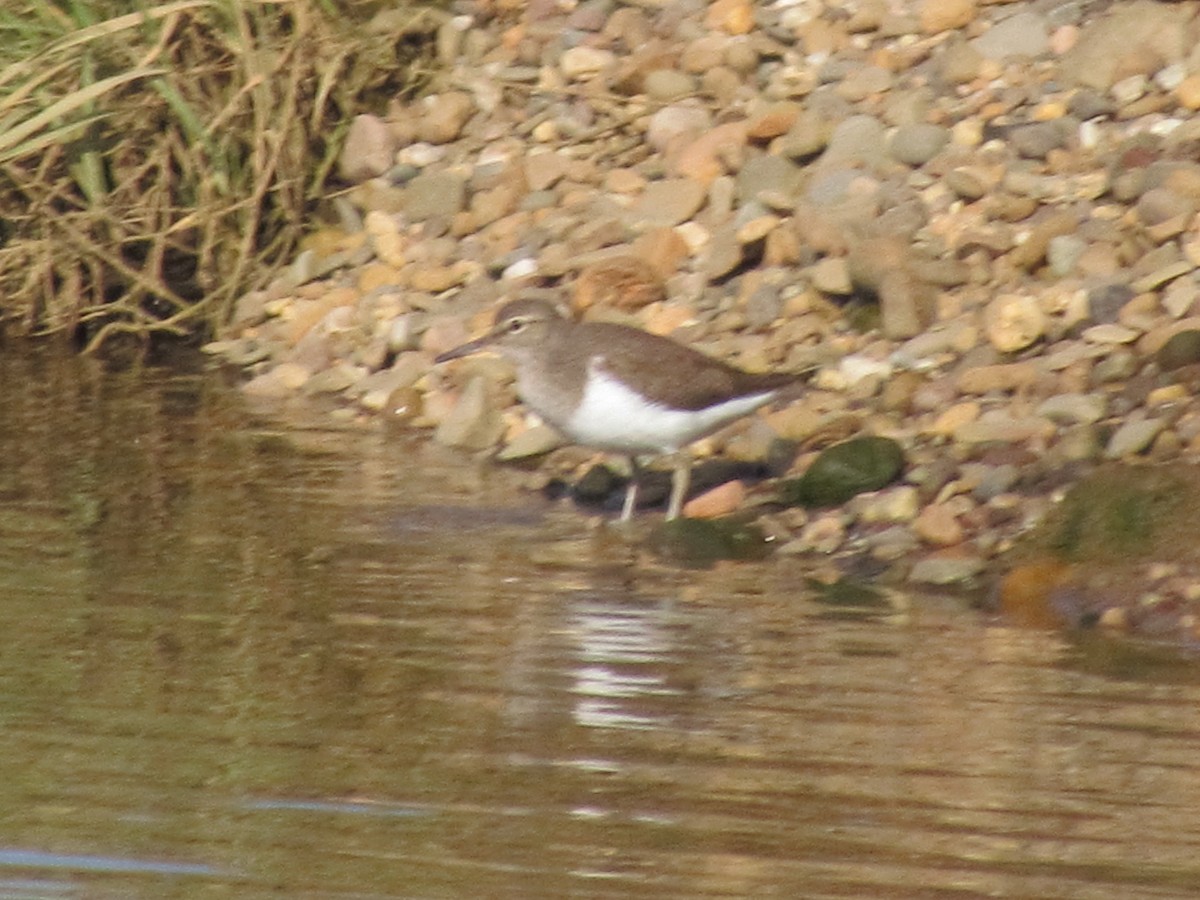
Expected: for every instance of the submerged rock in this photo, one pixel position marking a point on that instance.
(703, 542)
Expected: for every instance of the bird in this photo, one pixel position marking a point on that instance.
(619, 389)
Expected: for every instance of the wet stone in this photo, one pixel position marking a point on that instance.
(845, 470)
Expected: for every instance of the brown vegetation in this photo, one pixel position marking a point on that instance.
(155, 165)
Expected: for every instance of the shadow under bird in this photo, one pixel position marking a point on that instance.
(622, 390)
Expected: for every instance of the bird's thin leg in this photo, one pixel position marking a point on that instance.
(680, 480)
(631, 489)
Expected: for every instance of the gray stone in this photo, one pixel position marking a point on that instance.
(946, 569)
(1073, 409)
(665, 85)
(435, 195)
(916, 144)
(672, 121)
(667, 203)
(769, 174)
(1126, 30)
(1063, 252)
(1023, 34)
(1105, 302)
(722, 254)
(1133, 437)
(1036, 140)
(856, 140)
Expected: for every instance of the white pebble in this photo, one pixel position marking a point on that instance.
(522, 268)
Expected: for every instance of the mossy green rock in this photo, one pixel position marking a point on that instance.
(698, 543)
(1124, 513)
(844, 470)
(1182, 349)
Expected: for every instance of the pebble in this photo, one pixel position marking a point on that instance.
(918, 143)
(1024, 34)
(1068, 409)
(1133, 437)
(435, 194)
(579, 63)
(368, 150)
(946, 567)
(719, 501)
(473, 422)
(1014, 321)
(442, 116)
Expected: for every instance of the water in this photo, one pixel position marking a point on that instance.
(260, 657)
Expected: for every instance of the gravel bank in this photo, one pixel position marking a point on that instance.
(978, 220)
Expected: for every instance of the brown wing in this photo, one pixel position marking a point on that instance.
(692, 379)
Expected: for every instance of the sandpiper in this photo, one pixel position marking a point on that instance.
(622, 390)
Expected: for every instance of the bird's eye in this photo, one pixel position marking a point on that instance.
(516, 326)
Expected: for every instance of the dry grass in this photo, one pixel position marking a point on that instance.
(155, 165)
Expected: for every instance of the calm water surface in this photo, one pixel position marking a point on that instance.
(249, 657)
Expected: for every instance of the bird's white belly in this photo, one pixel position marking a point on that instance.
(612, 417)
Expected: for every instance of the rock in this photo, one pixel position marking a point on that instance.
(832, 276)
(667, 203)
(823, 534)
(719, 501)
(730, 16)
(1105, 302)
(704, 542)
(665, 85)
(722, 255)
(435, 194)
(907, 307)
(711, 153)
(1129, 38)
(946, 567)
(536, 441)
(282, 380)
(1181, 349)
(807, 136)
(473, 423)
(772, 120)
(1022, 34)
(1017, 376)
(1038, 139)
(960, 63)
(938, 524)
(1133, 437)
(1071, 409)
(844, 470)
(916, 144)
(895, 504)
(1110, 333)
(369, 150)
(674, 121)
(769, 176)
(581, 63)
(951, 420)
(945, 15)
(443, 116)
(1013, 321)
(1063, 253)
(999, 426)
